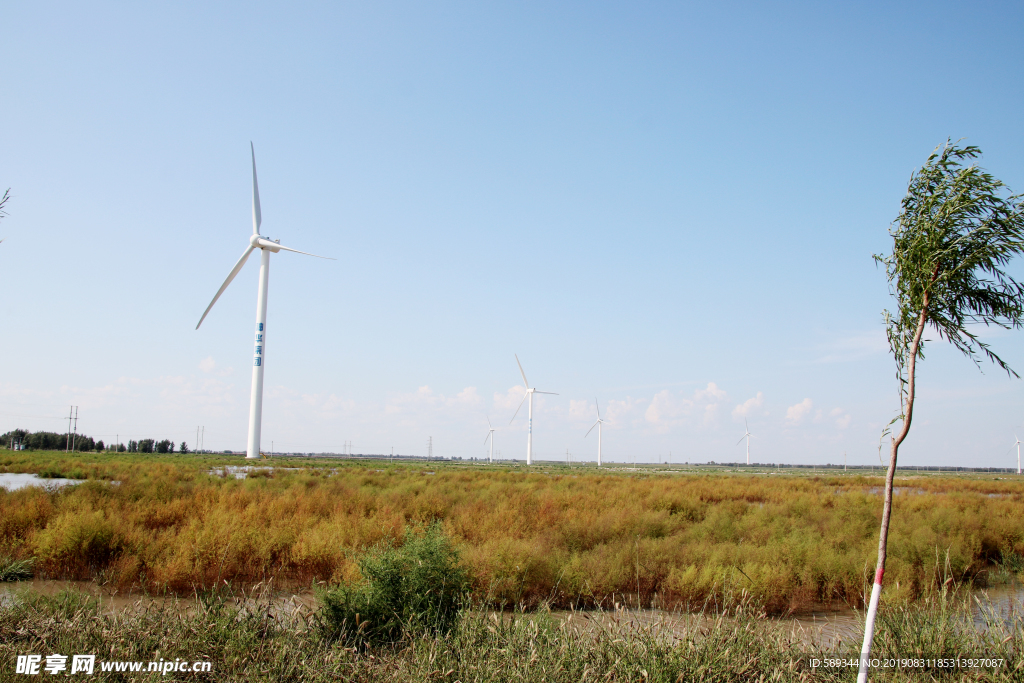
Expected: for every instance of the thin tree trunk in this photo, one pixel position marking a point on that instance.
(883, 535)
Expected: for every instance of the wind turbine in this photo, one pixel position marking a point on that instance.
(598, 425)
(1017, 444)
(747, 437)
(490, 435)
(266, 247)
(530, 391)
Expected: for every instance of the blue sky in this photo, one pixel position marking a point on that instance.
(669, 207)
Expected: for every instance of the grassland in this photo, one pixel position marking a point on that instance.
(558, 537)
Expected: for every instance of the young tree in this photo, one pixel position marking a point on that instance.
(957, 230)
(183, 448)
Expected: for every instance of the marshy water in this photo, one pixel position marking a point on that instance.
(14, 481)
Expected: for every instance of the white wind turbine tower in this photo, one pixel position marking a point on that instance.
(598, 425)
(266, 247)
(530, 391)
(490, 435)
(747, 437)
(1017, 444)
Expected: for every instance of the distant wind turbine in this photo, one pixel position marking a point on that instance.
(266, 247)
(747, 437)
(1017, 444)
(530, 391)
(598, 425)
(490, 435)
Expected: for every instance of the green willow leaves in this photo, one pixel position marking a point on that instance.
(957, 230)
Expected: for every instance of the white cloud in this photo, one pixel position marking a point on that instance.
(712, 392)
(581, 410)
(664, 407)
(511, 399)
(744, 409)
(468, 396)
(616, 411)
(425, 397)
(207, 364)
(842, 421)
(796, 413)
(668, 410)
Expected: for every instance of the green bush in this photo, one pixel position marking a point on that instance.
(416, 588)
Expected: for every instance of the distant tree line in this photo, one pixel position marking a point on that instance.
(49, 441)
(154, 446)
(52, 441)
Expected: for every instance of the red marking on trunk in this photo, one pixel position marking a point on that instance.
(878, 576)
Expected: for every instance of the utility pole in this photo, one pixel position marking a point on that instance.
(197, 438)
(67, 446)
(202, 438)
(74, 436)
(430, 447)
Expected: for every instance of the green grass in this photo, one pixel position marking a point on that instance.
(15, 570)
(264, 640)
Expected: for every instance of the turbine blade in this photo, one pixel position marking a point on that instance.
(489, 423)
(545, 392)
(231, 276)
(257, 215)
(741, 439)
(591, 429)
(520, 406)
(525, 381)
(598, 408)
(487, 437)
(278, 246)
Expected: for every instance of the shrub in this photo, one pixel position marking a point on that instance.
(416, 588)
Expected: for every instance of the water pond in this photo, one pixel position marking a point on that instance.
(13, 481)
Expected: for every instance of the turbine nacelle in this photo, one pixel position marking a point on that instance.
(260, 242)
